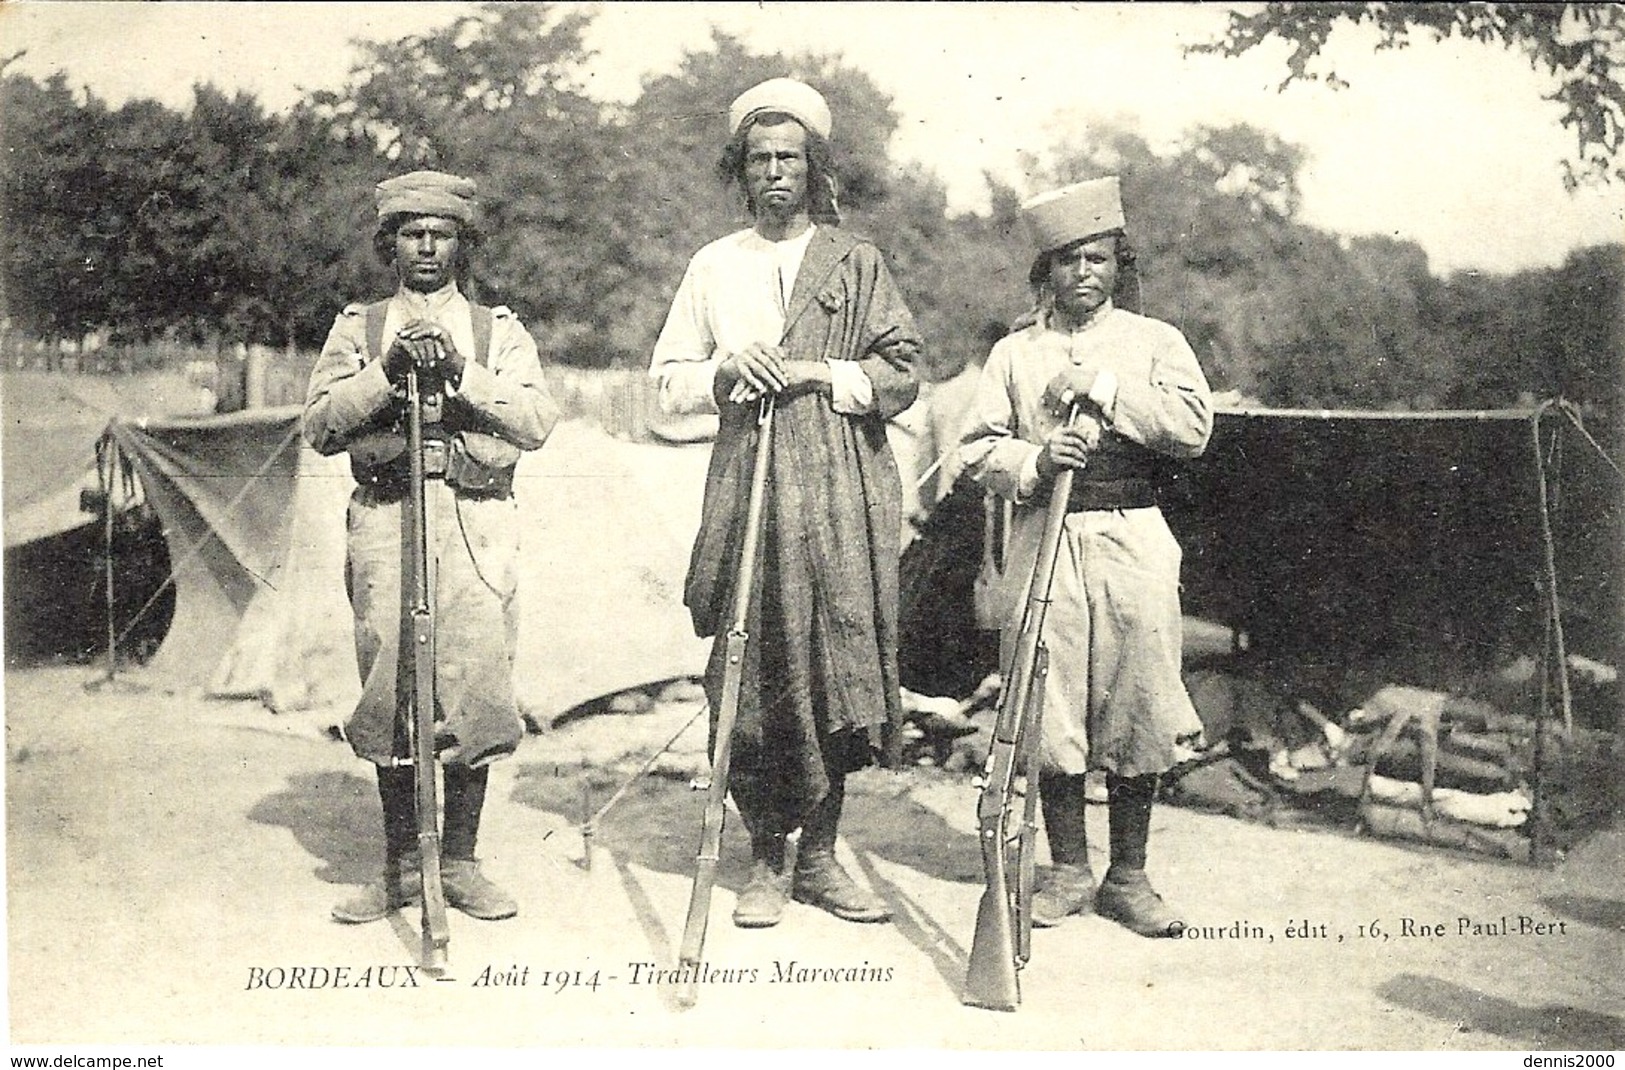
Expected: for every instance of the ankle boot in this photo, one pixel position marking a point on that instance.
(401, 883)
(820, 879)
(400, 886)
(1069, 887)
(467, 889)
(1126, 895)
(473, 893)
(761, 903)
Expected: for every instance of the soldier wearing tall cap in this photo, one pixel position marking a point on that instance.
(798, 308)
(485, 402)
(1114, 699)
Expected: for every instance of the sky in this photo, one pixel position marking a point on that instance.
(1446, 144)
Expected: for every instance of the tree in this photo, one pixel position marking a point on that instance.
(496, 95)
(301, 234)
(1555, 332)
(1582, 46)
(49, 180)
(197, 261)
(1584, 312)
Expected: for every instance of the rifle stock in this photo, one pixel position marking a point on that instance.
(738, 642)
(436, 932)
(1002, 941)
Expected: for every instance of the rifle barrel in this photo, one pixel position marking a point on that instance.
(1002, 939)
(738, 641)
(436, 931)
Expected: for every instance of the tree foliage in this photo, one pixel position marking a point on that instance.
(51, 251)
(496, 95)
(222, 222)
(1581, 46)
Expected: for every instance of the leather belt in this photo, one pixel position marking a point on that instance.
(392, 480)
(1130, 493)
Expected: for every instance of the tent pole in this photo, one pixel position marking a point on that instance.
(106, 473)
(589, 825)
(1549, 548)
(1541, 848)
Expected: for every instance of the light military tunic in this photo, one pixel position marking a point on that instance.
(1114, 699)
(473, 539)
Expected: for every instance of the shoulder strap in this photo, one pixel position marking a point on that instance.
(483, 323)
(481, 316)
(375, 328)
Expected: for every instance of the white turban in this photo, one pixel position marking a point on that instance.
(796, 99)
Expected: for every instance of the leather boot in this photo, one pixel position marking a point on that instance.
(467, 889)
(820, 880)
(1126, 895)
(761, 903)
(1067, 890)
(400, 886)
(470, 891)
(1069, 887)
(401, 883)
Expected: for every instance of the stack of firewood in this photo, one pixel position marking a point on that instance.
(1461, 772)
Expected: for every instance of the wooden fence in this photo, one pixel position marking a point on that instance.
(622, 401)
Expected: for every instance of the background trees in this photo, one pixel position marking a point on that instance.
(1581, 46)
(224, 223)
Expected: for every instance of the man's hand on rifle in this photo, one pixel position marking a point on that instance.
(1069, 447)
(754, 371)
(397, 361)
(1072, 386)
(433, 352)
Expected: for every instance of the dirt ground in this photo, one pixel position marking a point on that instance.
(171, 863)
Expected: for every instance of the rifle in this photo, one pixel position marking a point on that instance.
(1002, 944)
(705, 871)
(421, 700)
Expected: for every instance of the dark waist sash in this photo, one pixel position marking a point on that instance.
(1120, 475)
(1129, 493)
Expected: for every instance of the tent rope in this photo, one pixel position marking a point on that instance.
(197, 547)
(1573, 414)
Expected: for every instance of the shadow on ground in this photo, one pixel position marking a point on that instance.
(1548, 1027)
(335, 817)
(656, 823)
(1588, 909)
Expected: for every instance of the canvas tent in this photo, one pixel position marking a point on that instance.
(55, 532)
(1352, 557)
(1413, 540)
(254, 523)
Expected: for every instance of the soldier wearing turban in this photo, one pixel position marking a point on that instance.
(798, 308)
(484, 403)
